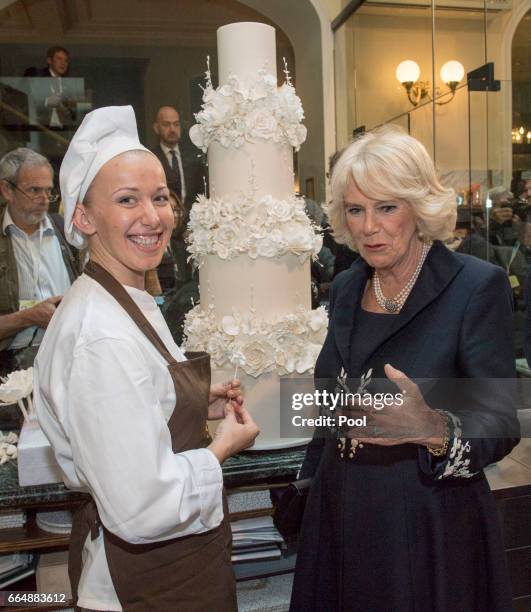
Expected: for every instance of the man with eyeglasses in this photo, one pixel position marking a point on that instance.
(36, 265)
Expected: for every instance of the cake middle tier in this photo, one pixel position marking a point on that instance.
(260, 168)
(265, 286)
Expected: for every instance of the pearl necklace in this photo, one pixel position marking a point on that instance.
(394, 305)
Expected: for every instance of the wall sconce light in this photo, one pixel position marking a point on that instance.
(408, 73)
(519, 135)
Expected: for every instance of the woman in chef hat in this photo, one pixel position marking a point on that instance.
(124, 409)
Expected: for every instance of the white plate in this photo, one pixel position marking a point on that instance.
(55, 522)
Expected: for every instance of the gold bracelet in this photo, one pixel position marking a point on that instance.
(442, 450)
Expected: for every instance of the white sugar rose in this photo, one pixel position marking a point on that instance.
(300, 237)
(261, 124)
(228, 210)
(244, 205)
(195, 321)
(317, 319)
(259, 356)
(18, 385)
(260, 216)
(230, 325)
(306, 358)
(295, 324)
(196, 136)
(282, 210)
(286, 357)
(293, 135)
(228, 235)
(290, 104)
(261, 88)
(277, 238)
(209, 94)
(221, 250)
(267, 247)
(217, 348)
(270, 80)
(199, 240)
(225, 90)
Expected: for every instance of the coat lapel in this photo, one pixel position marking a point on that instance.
(438, 271)
(346, 305)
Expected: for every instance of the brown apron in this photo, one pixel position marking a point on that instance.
(187, 574)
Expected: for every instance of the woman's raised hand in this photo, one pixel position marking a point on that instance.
(219, 394)
(236, 432)
(413, 421)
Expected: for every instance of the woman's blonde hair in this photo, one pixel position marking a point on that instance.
(387, 164)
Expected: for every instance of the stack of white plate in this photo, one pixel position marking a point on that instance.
(55, 522)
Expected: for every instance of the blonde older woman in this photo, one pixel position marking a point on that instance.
(400, 516)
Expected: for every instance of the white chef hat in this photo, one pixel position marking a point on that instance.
(102, 135)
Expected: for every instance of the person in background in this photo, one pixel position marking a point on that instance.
(344, 257)
(55, 105)
(167, 126)
(182, 172)
(167, 272)
(399, 514)
(58, 111)
(58, 64)
(526, 175)
(124, 409)
(527, 328)
(322, 269)
(36, 264)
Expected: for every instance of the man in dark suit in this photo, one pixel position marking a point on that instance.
(182, 171)
(55, 106)
(58, 59)
(180, 167)
(56, 110)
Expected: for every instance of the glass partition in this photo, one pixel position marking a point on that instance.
(147, 54)
(395, 63)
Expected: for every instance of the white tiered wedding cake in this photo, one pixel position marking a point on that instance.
(252, 239)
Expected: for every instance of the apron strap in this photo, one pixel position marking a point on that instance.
(116, 289)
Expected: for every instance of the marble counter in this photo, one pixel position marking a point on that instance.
(253, 469)
(245, 470)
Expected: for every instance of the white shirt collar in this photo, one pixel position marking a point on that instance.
(166, 150)
(45, 224)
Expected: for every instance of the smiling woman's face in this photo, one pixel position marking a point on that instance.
(128, 216)
(385, 233)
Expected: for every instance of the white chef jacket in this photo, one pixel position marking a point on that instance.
(103, 395)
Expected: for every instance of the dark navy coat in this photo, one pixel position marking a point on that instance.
(393, 528)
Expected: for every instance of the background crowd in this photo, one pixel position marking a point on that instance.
(37, 266)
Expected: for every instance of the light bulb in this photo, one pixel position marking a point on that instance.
(521, 130)
(407, 71)
(452, 72)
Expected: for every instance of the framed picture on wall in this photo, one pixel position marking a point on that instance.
(310, 188)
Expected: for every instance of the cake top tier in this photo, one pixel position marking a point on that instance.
(244, 49)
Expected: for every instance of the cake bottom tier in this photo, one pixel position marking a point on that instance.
(263, 401)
